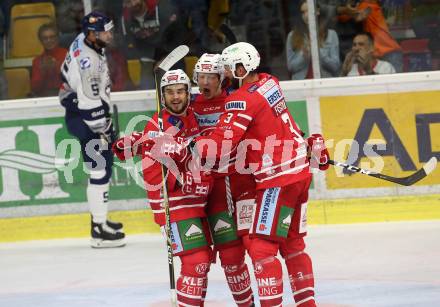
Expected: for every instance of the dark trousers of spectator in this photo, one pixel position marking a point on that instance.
(396, 59)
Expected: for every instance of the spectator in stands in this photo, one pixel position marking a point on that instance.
(69, 15)
(197, 12)
(143, 22)
(362, 61)
(46, 76)
(143, 25)
(369, 13)
(298, 48)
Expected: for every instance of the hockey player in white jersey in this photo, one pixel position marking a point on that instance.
(85, 94)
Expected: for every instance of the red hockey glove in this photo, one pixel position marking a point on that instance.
(165, 146)
(319, 155)
(128, 146)
(201, 187)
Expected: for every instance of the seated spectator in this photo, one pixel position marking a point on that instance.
(369, 12)
(362, 61)
(298, 49)
(46, 76)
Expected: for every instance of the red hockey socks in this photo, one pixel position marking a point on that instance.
(299, 266)
(268, 272)
(193, 278)
(237, 274)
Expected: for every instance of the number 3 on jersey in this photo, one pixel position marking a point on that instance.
(286, 119)
(228, 118)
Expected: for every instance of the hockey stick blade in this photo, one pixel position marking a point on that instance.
(427, 169)
(173, 57)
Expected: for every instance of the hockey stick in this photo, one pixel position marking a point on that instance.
(427, 169)
(172, 58)
(116, 120)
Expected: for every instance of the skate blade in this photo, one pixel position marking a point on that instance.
(99, 243)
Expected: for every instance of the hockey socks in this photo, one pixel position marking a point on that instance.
(268, 272)
(239, 283)
(237, 274)
(192, 282)
(97, 197)
(299, 266)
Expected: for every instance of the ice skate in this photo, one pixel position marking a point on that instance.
(104, 236)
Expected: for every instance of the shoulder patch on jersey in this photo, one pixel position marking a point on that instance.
(266, 86)
(235, 105)
(175, 121)
(85, 63)
(253, 88)
(273, 96)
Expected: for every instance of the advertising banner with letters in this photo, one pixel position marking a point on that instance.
(383, 123)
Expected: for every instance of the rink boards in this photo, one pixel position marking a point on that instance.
(396, 117)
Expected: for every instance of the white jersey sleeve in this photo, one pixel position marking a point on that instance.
(85, 73)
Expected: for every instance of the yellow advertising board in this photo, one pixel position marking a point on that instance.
(394, 133)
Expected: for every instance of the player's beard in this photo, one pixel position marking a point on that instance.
(100, 43)
(177, 109)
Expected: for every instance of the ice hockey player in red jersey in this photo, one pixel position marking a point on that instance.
(189, 228)
(256, 119)
(232, 199)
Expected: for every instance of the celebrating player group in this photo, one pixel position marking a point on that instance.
(238, 174)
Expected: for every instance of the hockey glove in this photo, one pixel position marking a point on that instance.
(200, 187)
(128, 146)
(318, 153)
(166, 146)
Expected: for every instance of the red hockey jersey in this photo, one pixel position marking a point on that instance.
(208, 112)
(256, 119)
(182, 206)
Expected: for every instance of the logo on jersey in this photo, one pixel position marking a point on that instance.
(235, 105)
(208, 120)
(267, 211)
(98, 113)
(85, 63)
(266, 86)
(284, 221)
(273, 96)
(175, 121)
(280, 107)
(253, 88)
(176, 242)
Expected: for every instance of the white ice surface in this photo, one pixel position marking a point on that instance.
(386, 264)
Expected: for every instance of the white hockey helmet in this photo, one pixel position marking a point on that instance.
(171, 77)
(211, 64)
(176, 76)
(241, 53)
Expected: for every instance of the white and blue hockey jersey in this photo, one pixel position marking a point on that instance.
(86, 84)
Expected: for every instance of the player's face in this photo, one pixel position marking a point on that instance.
(209, 84)
(176, 98)
(104, 38)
